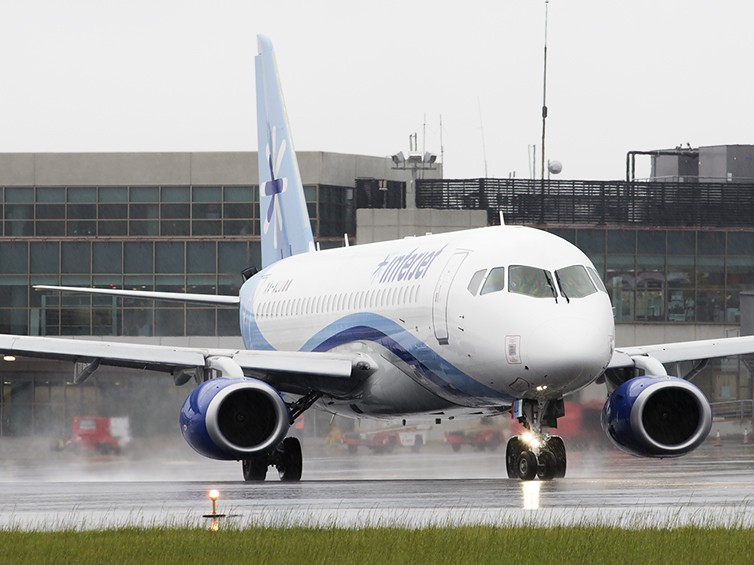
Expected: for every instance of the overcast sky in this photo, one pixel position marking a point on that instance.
(360, 77)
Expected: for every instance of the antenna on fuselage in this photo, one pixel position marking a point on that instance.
(345, 240)
(502, 219)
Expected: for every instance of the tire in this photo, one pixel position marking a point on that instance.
(513, 449)
(455, 447)
(352, 448)
(526, 466)
(292, 460)
(254, 469)
(547, 466)
(556, 446)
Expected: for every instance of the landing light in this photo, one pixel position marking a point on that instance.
(531, 440)
(541, 388)
(8, 358)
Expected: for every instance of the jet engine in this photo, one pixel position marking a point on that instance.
(657, 417)
(234, 419)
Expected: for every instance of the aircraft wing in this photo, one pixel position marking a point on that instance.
(683, 351)
(214, 299)
(290, 371)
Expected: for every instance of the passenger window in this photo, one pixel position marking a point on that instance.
(531, 282)
(574, 282)
(475, 281)
(597, 280)
(495, 281)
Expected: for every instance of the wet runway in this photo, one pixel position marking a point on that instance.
(713, 486)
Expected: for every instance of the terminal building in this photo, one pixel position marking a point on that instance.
(675, 251)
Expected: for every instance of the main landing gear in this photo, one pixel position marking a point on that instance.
(286, 457)
(534, 454)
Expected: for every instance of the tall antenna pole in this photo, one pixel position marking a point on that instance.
(442, 148)
(481, 129)
(544, 95)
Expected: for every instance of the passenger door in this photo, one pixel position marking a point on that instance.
(441, 294)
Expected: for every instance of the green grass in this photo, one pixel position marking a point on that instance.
(471, 544)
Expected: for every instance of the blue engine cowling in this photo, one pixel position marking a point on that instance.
(657, 417)
(234, 418)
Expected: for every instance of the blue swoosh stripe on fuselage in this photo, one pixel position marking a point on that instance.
(412, 351)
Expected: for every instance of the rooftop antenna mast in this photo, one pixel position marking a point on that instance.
(544, 95)
(442, 147)
(481, 128)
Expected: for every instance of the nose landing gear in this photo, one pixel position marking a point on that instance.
(527, 458)
(534, 454)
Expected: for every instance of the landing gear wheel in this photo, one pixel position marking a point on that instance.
(291, 460)
(527, 466)
(556, 446)
(547, 466)
(512, 451)
(254, 469)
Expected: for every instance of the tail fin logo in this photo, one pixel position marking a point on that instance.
(275, 187)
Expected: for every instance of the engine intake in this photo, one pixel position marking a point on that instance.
(234, 418)
(657, 417)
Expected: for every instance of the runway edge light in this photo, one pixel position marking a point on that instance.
(213, 494)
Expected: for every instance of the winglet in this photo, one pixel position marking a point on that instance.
(284, 218)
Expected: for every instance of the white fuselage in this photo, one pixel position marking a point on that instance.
(441, 338)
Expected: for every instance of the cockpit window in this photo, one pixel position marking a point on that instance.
(596, 278)
(574, 282)
(476, 280)
(531, 282)
(495, 281)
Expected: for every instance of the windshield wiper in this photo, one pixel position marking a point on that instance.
(562, 290)
(552, 286)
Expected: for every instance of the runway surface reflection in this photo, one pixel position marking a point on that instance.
(713, 486)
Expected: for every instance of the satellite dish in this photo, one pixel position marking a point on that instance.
(554, 167)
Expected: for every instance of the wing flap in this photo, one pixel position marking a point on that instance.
(321, 364)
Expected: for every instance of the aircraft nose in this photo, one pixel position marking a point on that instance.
(571, 351)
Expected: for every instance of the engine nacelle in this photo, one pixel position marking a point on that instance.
(657, 417)
(234, 418)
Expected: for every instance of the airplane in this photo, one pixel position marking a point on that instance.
(471, 323)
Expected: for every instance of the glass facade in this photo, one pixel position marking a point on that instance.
(166, 238)
(158, 211)
(670, 275)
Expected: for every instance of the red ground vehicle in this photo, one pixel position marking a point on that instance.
(94, 434)
(480, 437)
(384, 441)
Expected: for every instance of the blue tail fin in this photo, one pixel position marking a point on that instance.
(284, 218)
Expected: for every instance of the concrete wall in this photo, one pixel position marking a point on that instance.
(380, 225)
(642, 334)
(113, 169)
